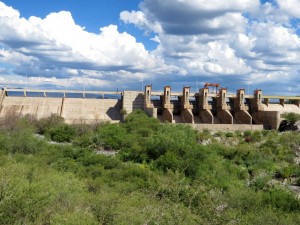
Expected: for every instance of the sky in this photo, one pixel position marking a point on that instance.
(126, 44)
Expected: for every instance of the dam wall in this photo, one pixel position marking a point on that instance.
(91, 110)
(228, 127)
(132, 100)
(38, 107)
(203, 109)
(73, 110)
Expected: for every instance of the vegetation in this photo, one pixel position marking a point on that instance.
(291, 117)
(52, 173)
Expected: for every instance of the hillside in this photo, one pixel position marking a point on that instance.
(145, 172)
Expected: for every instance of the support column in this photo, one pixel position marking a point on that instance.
(296, 102)
(186, 108)
(256, 102)
(257, 109)
(266, 101)
(223, 110)
(241, 113)
(167, 106)
(148, 106)
(205, 113)
(3, 94)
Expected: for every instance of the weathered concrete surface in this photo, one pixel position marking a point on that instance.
(76, 110)
(168, 115)
(132, 100)
(186, 107)
(187, 116)
(206, 116)
(225, 117)
(271, 114)
(243, 117)
(151, 112)
(227, 127)
(270, 118)
(2, 95)
(148, 105)
(35, 106)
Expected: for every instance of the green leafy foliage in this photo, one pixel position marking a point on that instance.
(62, 133)
(160, 174)
(291, 117)
(45, 124)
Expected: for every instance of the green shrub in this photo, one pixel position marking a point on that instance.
(260, 182)
(45, 124)
(287, 172)
(139, 122)
(229, 134)
(84, 141)
(62, 133)
(291, 117)
(110, 136)
(281, 199)
(204, 135)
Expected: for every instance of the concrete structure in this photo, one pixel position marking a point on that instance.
(203, 109)
(74, 110)
(186, 107)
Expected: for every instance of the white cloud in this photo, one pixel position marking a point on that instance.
(233, 41)
(57, 45)
(223, 60)
(138, 18)
(273, 42)
(230, 41)
(196, 16)
(290, 7)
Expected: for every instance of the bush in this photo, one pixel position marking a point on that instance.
(291, 117)
(45, 124)
(110, 136)
(281, 199)
(62, 133)
(229, 134)
(9, 121)
(140, 123)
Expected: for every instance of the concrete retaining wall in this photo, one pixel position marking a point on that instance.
(133, 100)
(272, 114)
(76, 110)
(227, 127)
(38, 107)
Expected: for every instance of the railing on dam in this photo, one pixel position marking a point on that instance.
(63, 93)
(118, 94)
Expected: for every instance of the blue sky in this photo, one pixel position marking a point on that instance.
(123, 44)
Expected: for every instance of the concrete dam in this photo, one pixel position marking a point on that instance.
(216, 111)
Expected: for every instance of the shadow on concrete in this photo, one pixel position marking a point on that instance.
(114, 112)
(138, 102)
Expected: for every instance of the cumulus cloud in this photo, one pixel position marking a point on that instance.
(235, 42)
(290, 7)
(139, 19)
(57, 46)
(198, 16)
